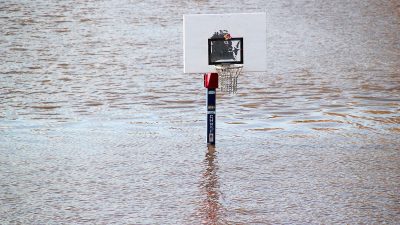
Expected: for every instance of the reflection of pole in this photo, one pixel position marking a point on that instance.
(211, 210)
(211, 83)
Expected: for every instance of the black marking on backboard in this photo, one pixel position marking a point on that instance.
(224, 51)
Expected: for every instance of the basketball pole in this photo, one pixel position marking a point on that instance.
(211, 83)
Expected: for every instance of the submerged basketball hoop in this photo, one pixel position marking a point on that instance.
(224, 36)
(228, 77)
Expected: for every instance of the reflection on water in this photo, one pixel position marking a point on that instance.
(211, 209)
(99, 125)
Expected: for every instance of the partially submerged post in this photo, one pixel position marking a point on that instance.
(214, 44)
(211, 83)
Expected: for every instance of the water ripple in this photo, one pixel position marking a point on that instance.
(99, 125)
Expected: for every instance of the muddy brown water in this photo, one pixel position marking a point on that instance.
(99, 125)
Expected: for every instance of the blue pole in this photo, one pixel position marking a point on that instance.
(211, 116)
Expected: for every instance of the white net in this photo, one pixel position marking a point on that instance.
(228, 77)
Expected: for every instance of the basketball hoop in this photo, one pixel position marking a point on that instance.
(230, 38)
(227, 77)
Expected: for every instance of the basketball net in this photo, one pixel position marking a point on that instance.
(228, 76)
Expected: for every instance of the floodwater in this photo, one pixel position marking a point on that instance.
(99, 125)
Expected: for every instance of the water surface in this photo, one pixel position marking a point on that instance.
(99, 125)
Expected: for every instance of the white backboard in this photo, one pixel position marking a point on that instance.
(198, 28)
